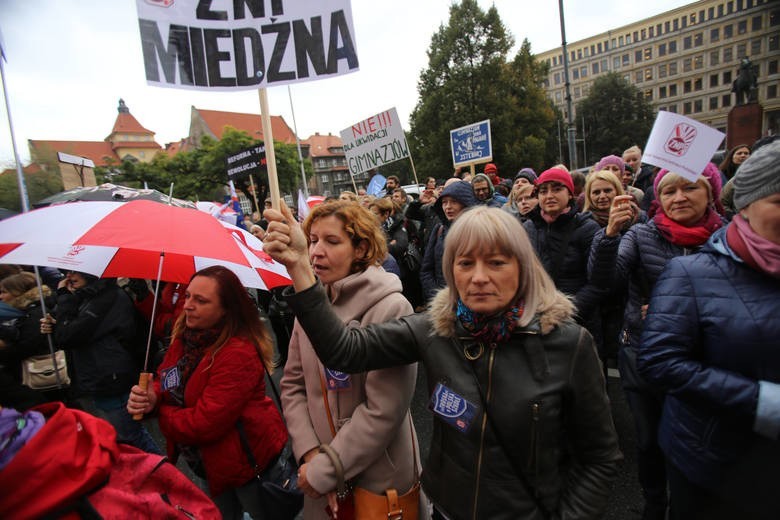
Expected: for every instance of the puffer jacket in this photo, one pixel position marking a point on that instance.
(563, 249)
(431, 275)
(634, 263)
(544, 390)
(711, 342)
(95, 325)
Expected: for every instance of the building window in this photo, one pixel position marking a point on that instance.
(626, 60)
(698, 62)
(686, 86)
(728, 31)
(662, 70)
(579, 54)
(771, 67)
(557, 78)
(710, 13)
(714, 103)
(636, 36)
(675, 24)
(673, 68)
(684, 22)
(673, 90)
(604, 65)
(575, 74)
(651, 31)
(774, 43)
(697, 84)
(672, 46)
(728, 54)
(687, 43)
(714, 57)
(649, 53)
(742, 27)
(771, 91)
(593, 49)
(649, 94)
(687, 64)
(662, 49)
(693, 18)
(620, 41)
(687, 107)
(727, 77)
(615, 63)
(673, 108)
(755, 47)
(595, 68)
(756, 23)
(713, 80)
(729, 7)
(638, 76)
(774, 17)
(666, 27)
(584, 72)
(598, 47)
(715, 34)
(741, 50)
(648, 74)
(697, 106)
(662, 92)
(725, 100)
(644, 34)
(720, 10)
(558, 97)
(637, 56)
(698, 39)
(576, 92)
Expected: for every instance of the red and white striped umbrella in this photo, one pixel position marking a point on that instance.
(112, 240)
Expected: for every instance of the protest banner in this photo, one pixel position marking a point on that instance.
(681, 145)
(471, 144)
(220, 45)
(247, 161)
(374, 142)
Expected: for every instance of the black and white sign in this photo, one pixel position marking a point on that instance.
(246, 44)
(251, 160)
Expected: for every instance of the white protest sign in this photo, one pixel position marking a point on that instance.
(681, 145)
(242, 45)
(374, 142)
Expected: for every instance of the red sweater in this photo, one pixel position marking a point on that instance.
(224, 387)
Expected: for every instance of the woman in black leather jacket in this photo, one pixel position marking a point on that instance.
(522, 424)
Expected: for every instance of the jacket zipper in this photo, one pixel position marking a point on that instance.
(533, 463)
(484, 426)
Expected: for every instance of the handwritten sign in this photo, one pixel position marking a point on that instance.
(374, 142)
(223, 45)
(681, 145)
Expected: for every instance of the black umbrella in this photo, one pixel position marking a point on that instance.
(111, 192)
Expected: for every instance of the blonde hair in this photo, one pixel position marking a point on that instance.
(634, 149)
(360, 225)
(602, 175)
(672, 178)
(350, 195)
(385, 205)
(483, 229)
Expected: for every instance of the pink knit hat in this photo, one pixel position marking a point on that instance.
(711, 174)
(611, 159)
(556, 175)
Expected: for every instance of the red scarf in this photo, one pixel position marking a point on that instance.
(756, 251)
(688, 236)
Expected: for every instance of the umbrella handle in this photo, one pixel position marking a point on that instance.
(143, 382)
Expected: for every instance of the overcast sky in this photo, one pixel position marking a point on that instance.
(69, 62)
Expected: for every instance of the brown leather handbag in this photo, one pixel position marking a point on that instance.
(368, 505)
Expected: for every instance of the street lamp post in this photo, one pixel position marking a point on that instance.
(572, 130)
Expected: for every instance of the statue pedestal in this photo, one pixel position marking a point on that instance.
(744, 124)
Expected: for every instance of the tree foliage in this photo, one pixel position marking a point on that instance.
(39, 186)
(200, 174)
(616, 115)
(469, 79)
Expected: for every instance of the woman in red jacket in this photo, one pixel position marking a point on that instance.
(210, 385)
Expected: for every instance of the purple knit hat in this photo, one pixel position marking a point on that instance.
(711, 174)
(611, 159)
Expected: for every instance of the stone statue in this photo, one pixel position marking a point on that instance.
(746, 84)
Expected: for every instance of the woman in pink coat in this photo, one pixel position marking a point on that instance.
(363, 417)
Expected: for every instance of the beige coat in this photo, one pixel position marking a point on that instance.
(374, 441)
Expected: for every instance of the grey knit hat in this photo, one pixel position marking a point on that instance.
(758, 176)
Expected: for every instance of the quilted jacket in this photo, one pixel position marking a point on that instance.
(711, 335)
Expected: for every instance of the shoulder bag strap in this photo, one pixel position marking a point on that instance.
(327, 404)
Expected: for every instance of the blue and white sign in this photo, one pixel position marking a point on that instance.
(471, 144)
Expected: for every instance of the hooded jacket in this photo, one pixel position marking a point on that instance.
(710, 342)
(491, 201)
(544, 390)
(431, 275)
(370, 413)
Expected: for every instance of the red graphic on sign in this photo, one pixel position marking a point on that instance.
(75, 250)
(680, 139)
(160, 3)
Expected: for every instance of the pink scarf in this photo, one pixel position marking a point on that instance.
(758, 252)
(688, 236)
(550, 219)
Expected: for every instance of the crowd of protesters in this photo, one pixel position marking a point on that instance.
(518, 293)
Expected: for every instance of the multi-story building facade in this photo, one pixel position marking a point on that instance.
(683, 60)
(331, 174)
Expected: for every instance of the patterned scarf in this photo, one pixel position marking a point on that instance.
(494, 328)
(688, 236)
(195, 342)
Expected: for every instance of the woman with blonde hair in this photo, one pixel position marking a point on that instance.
(348, 196)
(363, 417)
(522, 423)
